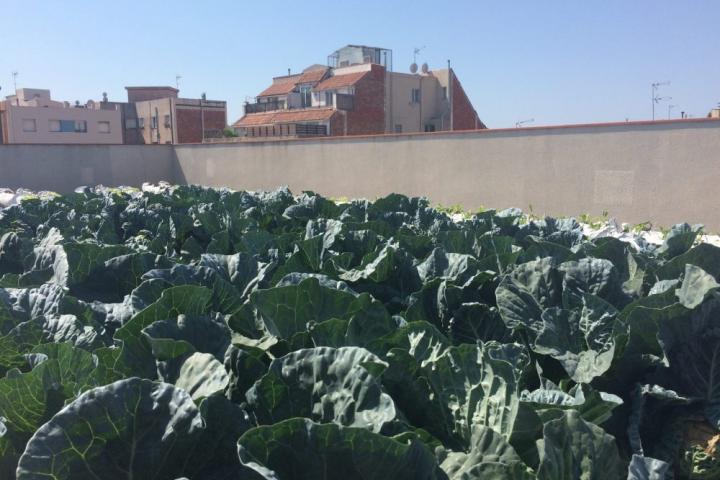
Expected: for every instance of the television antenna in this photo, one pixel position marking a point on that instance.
(670, 107)
(15, 75)
(177, 81)
(416, 51)
(655, 97)
(520, 123)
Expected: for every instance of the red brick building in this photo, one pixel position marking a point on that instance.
(158, 115)
(359, 94)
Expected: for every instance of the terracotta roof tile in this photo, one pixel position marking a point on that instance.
(285, 116)
(282, 87)
(313, 76)
(338, 81)
(285, 85)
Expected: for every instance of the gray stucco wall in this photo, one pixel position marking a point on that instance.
(663, 172)
(62, 168)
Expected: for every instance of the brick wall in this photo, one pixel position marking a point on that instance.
(189, 123)
(337, 124)
(368, 115)
(464, 116)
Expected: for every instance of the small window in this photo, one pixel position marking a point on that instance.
(398, 128)
(167, 121)
(328, 99)
(103, 127)
(80, 126)
(153, 122)
(54, 125)
(67, 126)
(415, 95)
(141, 122)
(29, 125)
(429, 127)
(131, 123)
(444, 93)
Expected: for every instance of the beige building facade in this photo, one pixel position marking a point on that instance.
(32, 117)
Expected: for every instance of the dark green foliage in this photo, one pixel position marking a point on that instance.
(209, 334)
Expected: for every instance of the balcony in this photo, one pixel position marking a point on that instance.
(295, 130)
(260, 107)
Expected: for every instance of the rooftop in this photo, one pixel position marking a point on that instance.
(285, 116)
(338, 81)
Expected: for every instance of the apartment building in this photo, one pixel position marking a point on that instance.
(159, 115)
(357, 93)
(32, 116)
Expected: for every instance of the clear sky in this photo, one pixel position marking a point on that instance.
(554, 61)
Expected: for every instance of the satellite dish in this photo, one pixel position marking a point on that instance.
(413, 68)
(424, 68)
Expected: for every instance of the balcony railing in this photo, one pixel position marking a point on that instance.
(287, 130)
(260, 107)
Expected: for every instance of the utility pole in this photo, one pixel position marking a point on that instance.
(450, 96)
(655, 97)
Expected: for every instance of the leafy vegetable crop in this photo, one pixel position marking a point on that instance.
(210, 334)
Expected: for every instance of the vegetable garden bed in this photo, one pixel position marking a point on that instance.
(187, 332)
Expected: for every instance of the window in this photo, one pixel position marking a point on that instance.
(153, 122)
(67, 126)
(167, 121)
(80, 126)
(141, 122)
(305, 96)
(131, 123)
(29, 125)
(54, 125)
(444, 93)
(415, 95)
(429, 127)
(103, 127)
(398, 128)
(328, 99)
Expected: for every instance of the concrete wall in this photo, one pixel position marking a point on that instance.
(664, 172)
(62, 168)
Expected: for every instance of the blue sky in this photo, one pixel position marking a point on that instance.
(554, 61)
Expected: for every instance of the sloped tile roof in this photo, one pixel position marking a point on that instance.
(285, 116)
(285, 85)
(280, 87)
(339, 81)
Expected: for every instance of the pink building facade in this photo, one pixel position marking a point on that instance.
(32, 117)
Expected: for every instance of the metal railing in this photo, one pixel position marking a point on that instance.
(260, 107)
(305, 130)
(287, 130)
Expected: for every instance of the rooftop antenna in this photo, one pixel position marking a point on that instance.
(15, 75)
(523, 122)
(670, 107)
(177, 81)
(417, 50)
(657, 99)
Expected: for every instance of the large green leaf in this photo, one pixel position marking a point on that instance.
(300, 449)
(572, 448)
(490, 457)
(582, 340)
(325, 384)
(129, 429)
